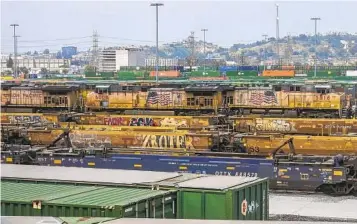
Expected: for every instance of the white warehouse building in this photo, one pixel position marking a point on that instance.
(112, 59)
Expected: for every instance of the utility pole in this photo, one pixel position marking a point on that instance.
(204, 49)
(15, 49)
(277, 32)
(315, 61)
(156, 5)
(265, 49)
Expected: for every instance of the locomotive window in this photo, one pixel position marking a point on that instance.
(230, 100)
(295, 88)
(65, 100)
(277, 88)
(190, 101)
(208, 102)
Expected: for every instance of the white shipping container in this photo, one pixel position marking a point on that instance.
(351, 73)
(300, 75)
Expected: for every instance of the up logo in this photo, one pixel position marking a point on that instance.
(244, 207)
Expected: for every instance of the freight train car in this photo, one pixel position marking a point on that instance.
(307, 145)
(179, 140)
(332, 175)
(312, 126)
(149, 120)
(115, 120)
(288, 103)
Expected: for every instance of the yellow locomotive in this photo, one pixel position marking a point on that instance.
(187, 100)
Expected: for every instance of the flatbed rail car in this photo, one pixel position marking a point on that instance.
(303, 126)
(115, 120)
(304, 144)
(182, 140)
(332, 175)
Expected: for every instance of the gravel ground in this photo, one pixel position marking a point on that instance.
(312, 207)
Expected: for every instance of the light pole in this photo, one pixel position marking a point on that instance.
(277, 32)
(157, 38)
(265, 49)
(315, 61)
(15, 49)
(204, 49)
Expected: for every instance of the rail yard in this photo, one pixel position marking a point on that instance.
(292, 136)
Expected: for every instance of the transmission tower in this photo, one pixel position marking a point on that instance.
(94, 60)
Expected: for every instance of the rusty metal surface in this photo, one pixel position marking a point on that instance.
(162, 140)
(313, 126)
(313, 145)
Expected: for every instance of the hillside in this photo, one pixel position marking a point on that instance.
(334, 45)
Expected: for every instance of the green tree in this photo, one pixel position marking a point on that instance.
(65, 71)
(89, 68)
(8, 72)
(64, 66)
(46, 51)
(9, 63)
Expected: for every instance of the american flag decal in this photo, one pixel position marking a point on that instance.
(163, 98)
(263, 97)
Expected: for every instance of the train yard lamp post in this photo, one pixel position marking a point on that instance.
(204, 49)
(315, 59)
(15, 50)
(156, 5)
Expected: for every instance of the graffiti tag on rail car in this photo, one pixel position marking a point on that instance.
(141, 121)
(164, 141)
(24, 118)
(173, 122)
(119, 121)
(277, 125)
(80, 140)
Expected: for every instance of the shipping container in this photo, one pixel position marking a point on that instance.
(351, 73)
(44, 199)
(207, 73)
(224, 198)
(208, 78)
(173, 73)
(278, 73)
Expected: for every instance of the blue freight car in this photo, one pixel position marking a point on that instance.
(333, 175)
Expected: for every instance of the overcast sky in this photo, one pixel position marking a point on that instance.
(44, 24)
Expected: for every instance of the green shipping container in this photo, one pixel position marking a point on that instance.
(59, 200)
(223, 198)
(204, 74)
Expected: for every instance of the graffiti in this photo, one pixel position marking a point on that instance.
(114, 121)
(338, 126)
(80, 140)
(141, 121)
(24, 119)
(248, 208)
(173, 122)
(274, 125)
(238, 174)
(165, 141)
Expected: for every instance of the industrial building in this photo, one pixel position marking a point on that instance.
(33, 64)
(112, 59)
